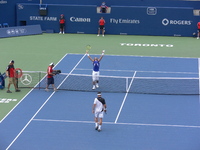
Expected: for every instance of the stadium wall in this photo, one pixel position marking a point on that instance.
(10, 13)
(130, 20)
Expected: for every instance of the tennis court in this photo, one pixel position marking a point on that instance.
(63, 119)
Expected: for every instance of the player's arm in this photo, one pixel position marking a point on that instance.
(89, 57)
(105, 107)
(102, 55)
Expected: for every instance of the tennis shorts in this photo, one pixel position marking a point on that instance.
(62, 25)
(98, 114)
(101, 27)
(50, 81)
(12, 80)
(95, 75)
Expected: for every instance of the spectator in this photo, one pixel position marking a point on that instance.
(103, 8)
(62, 24)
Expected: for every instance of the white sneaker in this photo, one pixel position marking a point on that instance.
(46, 90)
(55, 89)
(197, 37)
(60, 32)
(98, 35)
(103, 35)
(63, 32)
(97, 86)
(93, 87)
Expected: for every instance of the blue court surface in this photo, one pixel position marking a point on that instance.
(63, 120)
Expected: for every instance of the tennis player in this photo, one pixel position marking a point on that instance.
(10, 72)
(198, 29)
(101, 26)
(98, 109)
(95, 72)
(50, 78)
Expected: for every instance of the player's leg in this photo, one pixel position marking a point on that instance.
(97, 79)
(93, 80)
(96, 121)
(100, 121)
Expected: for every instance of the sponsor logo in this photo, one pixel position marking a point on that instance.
(16, 31)
(76, 19)
(146, 45)
(166, 22)
(151, 11)
(7, 100)
(3, 2)
(26, 79)
(41, 18)
(124, 21)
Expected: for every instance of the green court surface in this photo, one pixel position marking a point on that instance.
(34, 53)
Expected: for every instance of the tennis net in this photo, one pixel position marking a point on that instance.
(139, 85)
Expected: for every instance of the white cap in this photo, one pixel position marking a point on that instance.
(12, 61)
(51, 64)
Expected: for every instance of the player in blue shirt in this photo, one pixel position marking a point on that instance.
(95, 72)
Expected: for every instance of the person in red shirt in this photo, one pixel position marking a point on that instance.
(50, 79)
(101, 26)
(62, 24)
(198, 27)
(10, 72)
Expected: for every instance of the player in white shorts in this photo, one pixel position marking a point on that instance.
(98, 108)
(95, 72)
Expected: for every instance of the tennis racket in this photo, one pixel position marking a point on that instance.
(88, 48)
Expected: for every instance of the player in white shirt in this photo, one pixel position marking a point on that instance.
(98, 108)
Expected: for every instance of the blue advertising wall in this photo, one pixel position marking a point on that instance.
(131, 20)
(8, 9)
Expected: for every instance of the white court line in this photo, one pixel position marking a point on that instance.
(30, 91)
(125, 98)
(41, 107)
(131, 124)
